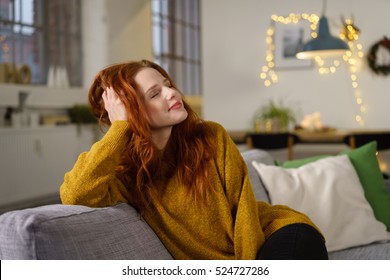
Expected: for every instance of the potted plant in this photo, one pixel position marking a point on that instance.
(274, 117)
(81, 114)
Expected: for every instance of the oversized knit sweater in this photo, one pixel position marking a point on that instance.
(230, 225)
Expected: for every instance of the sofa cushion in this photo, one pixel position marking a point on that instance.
(377, 251)
(78, 232)
(330, 193)
(366, 165)
(257, 185)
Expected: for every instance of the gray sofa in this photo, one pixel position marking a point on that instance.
(118, 232)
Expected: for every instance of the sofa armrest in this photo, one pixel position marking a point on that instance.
(78, 232)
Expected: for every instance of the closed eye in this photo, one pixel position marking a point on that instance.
(154, 94)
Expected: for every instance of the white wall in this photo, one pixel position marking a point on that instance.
(129, 30)
(94, 34)
(234, 48)
(115, 31)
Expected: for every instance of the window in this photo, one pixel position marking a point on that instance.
(42, 34)
(176, 41)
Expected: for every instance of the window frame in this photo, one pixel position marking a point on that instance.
(42, 53)
(176, 42)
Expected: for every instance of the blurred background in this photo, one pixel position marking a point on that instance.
(230, 58)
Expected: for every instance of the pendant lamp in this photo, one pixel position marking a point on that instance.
(325, 45)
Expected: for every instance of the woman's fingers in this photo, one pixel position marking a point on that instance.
(114, 106)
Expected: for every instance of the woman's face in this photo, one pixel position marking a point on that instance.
(163, 102)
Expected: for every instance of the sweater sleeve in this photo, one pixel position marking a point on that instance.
(92, 180)
(274, 217)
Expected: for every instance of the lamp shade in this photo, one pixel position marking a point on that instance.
(325, 45)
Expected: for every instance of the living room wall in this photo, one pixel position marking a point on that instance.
(233, 53)
(115, 31)
(234, 49)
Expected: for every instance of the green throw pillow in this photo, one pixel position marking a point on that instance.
(367, 168)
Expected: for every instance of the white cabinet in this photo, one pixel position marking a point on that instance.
(33, 161)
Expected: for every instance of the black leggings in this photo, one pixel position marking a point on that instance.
(294, 242)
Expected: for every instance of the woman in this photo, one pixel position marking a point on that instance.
(184, 175)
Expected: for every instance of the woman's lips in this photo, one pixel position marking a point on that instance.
(177, 105)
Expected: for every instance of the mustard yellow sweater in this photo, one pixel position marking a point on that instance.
(232, 225)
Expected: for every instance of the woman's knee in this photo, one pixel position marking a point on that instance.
(295, 241)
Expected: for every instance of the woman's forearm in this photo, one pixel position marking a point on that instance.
(92, 180)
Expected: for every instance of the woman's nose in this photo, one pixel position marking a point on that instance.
(170, 92)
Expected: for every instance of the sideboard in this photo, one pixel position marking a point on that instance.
(33, 161)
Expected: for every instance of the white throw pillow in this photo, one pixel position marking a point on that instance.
(330, 193)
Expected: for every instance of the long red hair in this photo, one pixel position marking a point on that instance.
(142, 167)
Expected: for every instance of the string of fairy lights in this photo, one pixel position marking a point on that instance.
(325, 66)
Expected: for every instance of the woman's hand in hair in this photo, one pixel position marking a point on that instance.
(114, 106)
